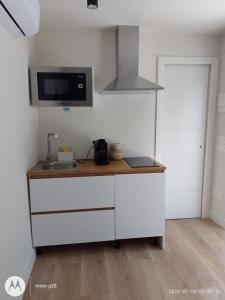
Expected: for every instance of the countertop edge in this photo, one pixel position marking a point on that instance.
(114, 169)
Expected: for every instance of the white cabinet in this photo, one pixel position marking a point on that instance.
(71, 193)
(139, 205)
(97, 208)
(71, 228)
(72, 210)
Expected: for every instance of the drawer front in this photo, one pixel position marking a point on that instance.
(72, 228)
(71, 193)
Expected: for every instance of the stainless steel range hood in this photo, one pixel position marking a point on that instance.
(127, 80)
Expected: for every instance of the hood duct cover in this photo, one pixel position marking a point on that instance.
(127, 80)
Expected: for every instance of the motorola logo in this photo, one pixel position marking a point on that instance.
(15, 286)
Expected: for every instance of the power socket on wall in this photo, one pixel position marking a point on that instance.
(218, 195)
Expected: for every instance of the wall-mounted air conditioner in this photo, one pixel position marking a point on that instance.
(20, 17)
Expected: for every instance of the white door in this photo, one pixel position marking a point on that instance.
(182, 134)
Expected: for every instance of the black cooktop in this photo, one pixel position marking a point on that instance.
(139, 162)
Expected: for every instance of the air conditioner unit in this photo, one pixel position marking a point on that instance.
(20, 17)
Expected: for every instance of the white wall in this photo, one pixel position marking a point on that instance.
(218, 205)
(18, 151)
(129, 119)
(115, 118)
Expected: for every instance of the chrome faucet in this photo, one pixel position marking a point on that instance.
(49, 158)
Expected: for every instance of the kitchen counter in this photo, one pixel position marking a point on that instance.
(93, 204)
(89, 168)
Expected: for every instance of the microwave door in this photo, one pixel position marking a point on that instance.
(54, 86)
(61, 86)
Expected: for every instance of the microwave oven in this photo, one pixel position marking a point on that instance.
(61, 86)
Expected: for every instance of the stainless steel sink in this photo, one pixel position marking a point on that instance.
(59, 165)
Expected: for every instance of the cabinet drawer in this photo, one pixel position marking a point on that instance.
(71, 193)
(72, 228)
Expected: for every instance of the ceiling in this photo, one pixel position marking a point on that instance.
(160, 16)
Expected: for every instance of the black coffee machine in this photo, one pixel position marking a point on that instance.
(100, 152)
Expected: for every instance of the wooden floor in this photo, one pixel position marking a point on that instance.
(191, 267)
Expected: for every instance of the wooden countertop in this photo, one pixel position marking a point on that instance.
(90, 169)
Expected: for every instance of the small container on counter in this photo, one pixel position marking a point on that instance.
(65, 153)
(65, 156)
(116, 151)
(116, 147)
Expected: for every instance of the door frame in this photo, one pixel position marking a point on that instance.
(212, 62)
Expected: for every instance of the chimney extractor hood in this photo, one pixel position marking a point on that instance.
(127, 80)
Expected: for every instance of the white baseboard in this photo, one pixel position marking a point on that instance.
(218, 220)
(28, 266)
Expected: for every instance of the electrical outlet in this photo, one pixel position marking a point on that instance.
(219, 195)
